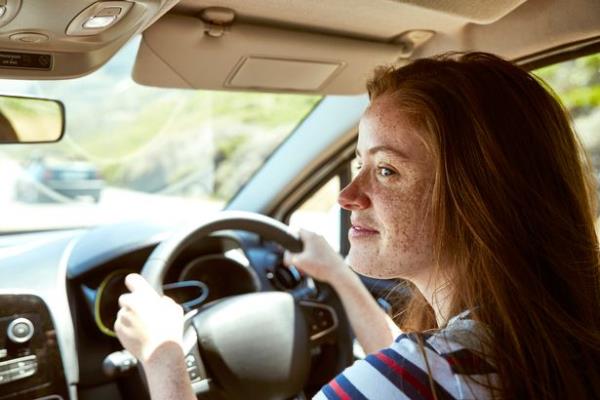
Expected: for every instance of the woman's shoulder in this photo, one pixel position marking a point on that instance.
(448, 361)
(462, 343)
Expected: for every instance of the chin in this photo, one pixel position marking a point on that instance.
(369, 265)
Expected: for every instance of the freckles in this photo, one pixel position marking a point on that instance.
(406, 218)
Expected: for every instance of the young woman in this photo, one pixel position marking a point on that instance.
(474, 189)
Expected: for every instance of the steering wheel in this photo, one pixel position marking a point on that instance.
(254, 345)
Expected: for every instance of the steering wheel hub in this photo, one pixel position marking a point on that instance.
(242, 332)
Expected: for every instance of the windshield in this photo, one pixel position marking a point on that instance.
(132, 151)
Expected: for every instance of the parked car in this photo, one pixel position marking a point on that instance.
(59, 181)
(187, 107)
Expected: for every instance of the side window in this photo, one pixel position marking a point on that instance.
(577, 84)
(320, 213)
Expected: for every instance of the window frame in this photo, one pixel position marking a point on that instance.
(343, 171)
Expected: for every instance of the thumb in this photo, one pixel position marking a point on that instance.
(137, 284)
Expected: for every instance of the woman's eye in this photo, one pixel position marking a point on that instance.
(385, 172)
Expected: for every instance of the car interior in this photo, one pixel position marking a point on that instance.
(255, 329)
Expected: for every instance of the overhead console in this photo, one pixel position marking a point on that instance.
(30, 362)
(42, 39)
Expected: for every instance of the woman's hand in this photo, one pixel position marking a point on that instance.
(147, 320)
(317, 259)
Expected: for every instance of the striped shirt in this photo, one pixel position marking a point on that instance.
(401, 370)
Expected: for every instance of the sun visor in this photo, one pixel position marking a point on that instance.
(177, 52)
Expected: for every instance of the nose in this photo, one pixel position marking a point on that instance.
(353, 197)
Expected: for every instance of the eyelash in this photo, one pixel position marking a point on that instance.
(379, 170)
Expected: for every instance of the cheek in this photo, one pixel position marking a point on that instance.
(405, 245)
(404, 215)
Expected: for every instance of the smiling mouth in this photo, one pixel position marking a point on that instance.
(357, 231)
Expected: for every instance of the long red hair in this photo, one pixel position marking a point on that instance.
(513, 207)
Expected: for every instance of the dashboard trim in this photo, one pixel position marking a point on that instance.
(65, 331)
(235, 255)
(97, 317)
(55, 297)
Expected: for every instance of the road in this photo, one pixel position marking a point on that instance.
(119, 205)
(115, 205)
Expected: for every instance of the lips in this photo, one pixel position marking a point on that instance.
(361, 230)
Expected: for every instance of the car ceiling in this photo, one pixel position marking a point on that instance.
(331, 46)
(379, 20)
(42, 27)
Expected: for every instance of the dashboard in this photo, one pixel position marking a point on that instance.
(59, 297)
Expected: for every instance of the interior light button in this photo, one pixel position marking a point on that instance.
(98, 17)
(98, 22)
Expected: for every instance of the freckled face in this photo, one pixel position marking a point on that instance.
(389, 198)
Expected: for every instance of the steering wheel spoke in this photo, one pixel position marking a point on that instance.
(321, 319)
(191, 349)
(202, 384)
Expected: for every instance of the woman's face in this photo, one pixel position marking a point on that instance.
(390, 197)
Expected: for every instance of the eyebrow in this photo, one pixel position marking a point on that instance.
(384, 149)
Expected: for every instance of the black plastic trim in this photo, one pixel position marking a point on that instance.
(558, 54)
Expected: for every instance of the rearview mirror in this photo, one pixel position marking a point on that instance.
(30, 120)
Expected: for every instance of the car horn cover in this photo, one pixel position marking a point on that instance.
(255, 345)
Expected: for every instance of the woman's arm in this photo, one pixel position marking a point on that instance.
(372, 327)
(150, 327)
(167, 375)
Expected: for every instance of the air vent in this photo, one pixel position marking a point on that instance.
(285, 278)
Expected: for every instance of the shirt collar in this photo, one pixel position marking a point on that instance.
(462, 315)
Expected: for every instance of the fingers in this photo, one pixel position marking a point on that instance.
(122, 320)
(131, 301)
(308, 238)
(289, 258)
(125, 300)
(169, 301)
(134, 303)
(304, 234)
(137, 284)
